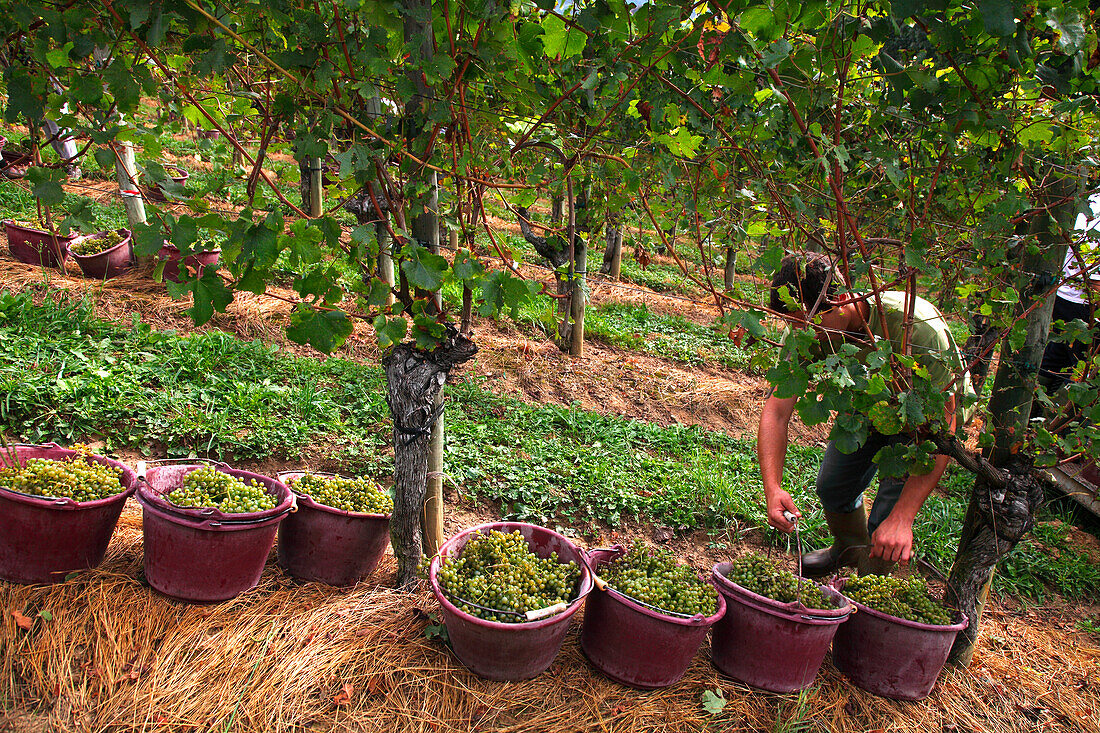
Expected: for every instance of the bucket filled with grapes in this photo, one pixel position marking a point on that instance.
(103, 254)
(48, 492)
(208, 528)
(340, 531)
(897, 644)
(777, 627)
(647, 616)
(508, 591)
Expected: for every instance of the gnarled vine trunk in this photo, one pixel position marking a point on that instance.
(414, 378)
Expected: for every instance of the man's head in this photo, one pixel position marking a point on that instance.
(805, 276)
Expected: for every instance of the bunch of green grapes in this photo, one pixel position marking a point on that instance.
(907, 598)
(206, 487)
(499, 571)
(653, 577)
(347, 494)
(764, 577)
(76, 479)
(95, 245)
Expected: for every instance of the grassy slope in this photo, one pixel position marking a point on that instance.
(67, 376)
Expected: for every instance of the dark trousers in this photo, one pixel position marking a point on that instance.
(1059, 358)
(843, 477)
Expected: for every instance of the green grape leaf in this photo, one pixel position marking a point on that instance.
(390, 330)
(324, 330)
(210, 294)
(714, 702)
(423, 269)
(46, 185)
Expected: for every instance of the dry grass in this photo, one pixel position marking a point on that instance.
(117, 656)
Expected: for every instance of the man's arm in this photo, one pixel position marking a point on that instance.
(893, 539)
(771, 452)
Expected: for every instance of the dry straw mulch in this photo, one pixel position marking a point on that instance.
(117, 656)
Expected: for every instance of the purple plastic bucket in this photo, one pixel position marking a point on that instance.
(890, 656)
(36, 247)
(505, 651)
(771, 645)
(108, 263)
(329, 545)
(634, 645)
(196, 262)
(43, 540)
(203, 555)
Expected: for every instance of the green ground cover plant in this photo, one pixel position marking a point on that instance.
(637, 328)
(69, 377)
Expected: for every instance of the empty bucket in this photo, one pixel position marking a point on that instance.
(329, 545)
(635, 644)
(201, 554)
(510, 651)
(44, 539)
(890, 656)
(771, 645)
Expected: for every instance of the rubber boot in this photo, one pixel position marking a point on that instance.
(849, 531)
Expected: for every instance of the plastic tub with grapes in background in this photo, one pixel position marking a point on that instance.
(510, 651)
(328, 545)
(634, 644)
(30, 550)
(204, 555)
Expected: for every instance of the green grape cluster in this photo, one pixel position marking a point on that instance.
(76, 479)
(347, 494)
(95, 245)
(499, 571)
(906, 598)
(653, 576)
(764, 577)
(207, 487)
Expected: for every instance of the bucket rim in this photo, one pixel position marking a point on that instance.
(962, 621)
(584, 582)
(128, 480)
(61, 238)
(306, 501)
(150, 497)
(793, 610)
(614, 594)
(126, 237)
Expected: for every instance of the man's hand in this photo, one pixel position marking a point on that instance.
(893, 540)
(780, 501)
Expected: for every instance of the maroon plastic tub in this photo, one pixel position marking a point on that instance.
(890, 656)
(42, 540)
(196, 262)
(36, 247)
(506, 651)
(328, 545)
(108, 263)
(770, 645)
(204, 555)
(636, 645)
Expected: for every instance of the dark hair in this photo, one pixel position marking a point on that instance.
(805, 275)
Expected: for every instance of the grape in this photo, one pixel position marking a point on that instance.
(499, 571)
(764, 577)
(906, 598)
(78, 480)
(207, 487)
(653, 576)
(95, 245)
(347, 494)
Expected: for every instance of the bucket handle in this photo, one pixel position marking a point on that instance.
(4, 451)
(533, 615)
